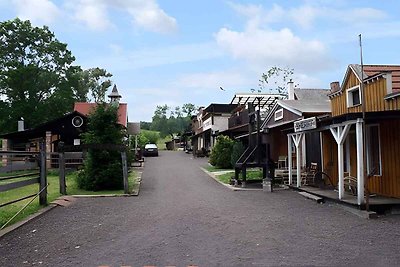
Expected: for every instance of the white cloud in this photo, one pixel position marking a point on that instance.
(150, 16)
(93, 14)
(145, 14)
(120, 59)
(38, 11)
(213, 80)
(264, 47)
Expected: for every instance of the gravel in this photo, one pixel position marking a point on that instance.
(183, 217)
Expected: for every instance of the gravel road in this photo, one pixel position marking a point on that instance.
(183, 217)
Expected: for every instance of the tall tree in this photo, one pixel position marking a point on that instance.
(188, 109)
(279, 76)
(37, 79)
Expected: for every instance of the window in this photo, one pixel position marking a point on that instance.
(373, 150)
(279, 114)
(353, 96)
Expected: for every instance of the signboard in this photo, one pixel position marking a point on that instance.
(133, 128)
(306, 124)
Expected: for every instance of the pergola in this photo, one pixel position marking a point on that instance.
(263, 101)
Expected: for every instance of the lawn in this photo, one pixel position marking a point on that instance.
(52, 193)
(251, 175)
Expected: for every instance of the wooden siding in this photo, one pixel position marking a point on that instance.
(288, 116)
(375, 91)
(387, 184)
(330, 157)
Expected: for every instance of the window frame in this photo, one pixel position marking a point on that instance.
(349, 95)
(280, 116)
(368, 147)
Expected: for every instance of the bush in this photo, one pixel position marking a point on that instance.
(237, 151)
(221, 153)
(102, 168)
(146, 137)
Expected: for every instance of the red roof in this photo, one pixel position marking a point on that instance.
(87, 108)
(371, 70)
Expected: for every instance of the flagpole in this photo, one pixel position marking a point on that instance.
(364, 128)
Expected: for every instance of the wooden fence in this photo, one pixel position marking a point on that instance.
(24, 161)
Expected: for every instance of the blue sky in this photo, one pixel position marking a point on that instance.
(175, 52)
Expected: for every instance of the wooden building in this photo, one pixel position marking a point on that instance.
(293, 148)
(342, 145)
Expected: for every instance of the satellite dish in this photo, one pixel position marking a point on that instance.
(77, 121)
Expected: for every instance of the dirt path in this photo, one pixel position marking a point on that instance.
(183, 217)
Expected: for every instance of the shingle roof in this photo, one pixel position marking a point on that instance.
(87, 108)
(373, 70)
(312, 94)
(306, 106)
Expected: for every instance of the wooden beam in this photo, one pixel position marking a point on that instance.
(9, 186)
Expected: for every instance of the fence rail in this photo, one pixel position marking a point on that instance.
(35, 162)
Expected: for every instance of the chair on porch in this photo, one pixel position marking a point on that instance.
(308, 176)
(282, 162)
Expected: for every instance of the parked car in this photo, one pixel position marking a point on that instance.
(150, 150)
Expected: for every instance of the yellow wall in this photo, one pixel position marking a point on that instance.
(375, 91)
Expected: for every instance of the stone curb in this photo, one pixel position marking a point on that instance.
(228, 185)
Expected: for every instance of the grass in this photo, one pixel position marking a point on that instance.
(251, 175)
(211, 168)
(52, 193)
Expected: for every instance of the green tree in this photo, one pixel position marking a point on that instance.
(279, 76)
(188, 109)
(37, 79)
(102, 168)
(221, 153)
(33, 70)
(97, 82)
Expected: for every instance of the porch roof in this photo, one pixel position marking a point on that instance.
(306, 106)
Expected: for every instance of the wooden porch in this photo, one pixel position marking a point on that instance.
(376, 203)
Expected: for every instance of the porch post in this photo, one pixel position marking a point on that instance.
(289, 158)
(48, 149)
(5, 147)
(340, 134)
(297, 138)
(360, 162)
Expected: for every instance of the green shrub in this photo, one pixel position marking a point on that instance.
(237, 151)
(146, 137)
(221, 153)
(102, 168)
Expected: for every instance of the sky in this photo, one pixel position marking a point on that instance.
(178, 51)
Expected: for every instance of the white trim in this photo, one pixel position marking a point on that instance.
(295, 111)
(368, 127)
(303, 152)
(360, 162)
(388, 77)
(349, 99)
(321, 140)
(278, 116)
(290, 158)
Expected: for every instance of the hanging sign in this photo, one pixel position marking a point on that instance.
(305, 124)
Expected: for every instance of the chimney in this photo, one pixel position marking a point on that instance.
(291, 90)
(21, 125)
(335, 86)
